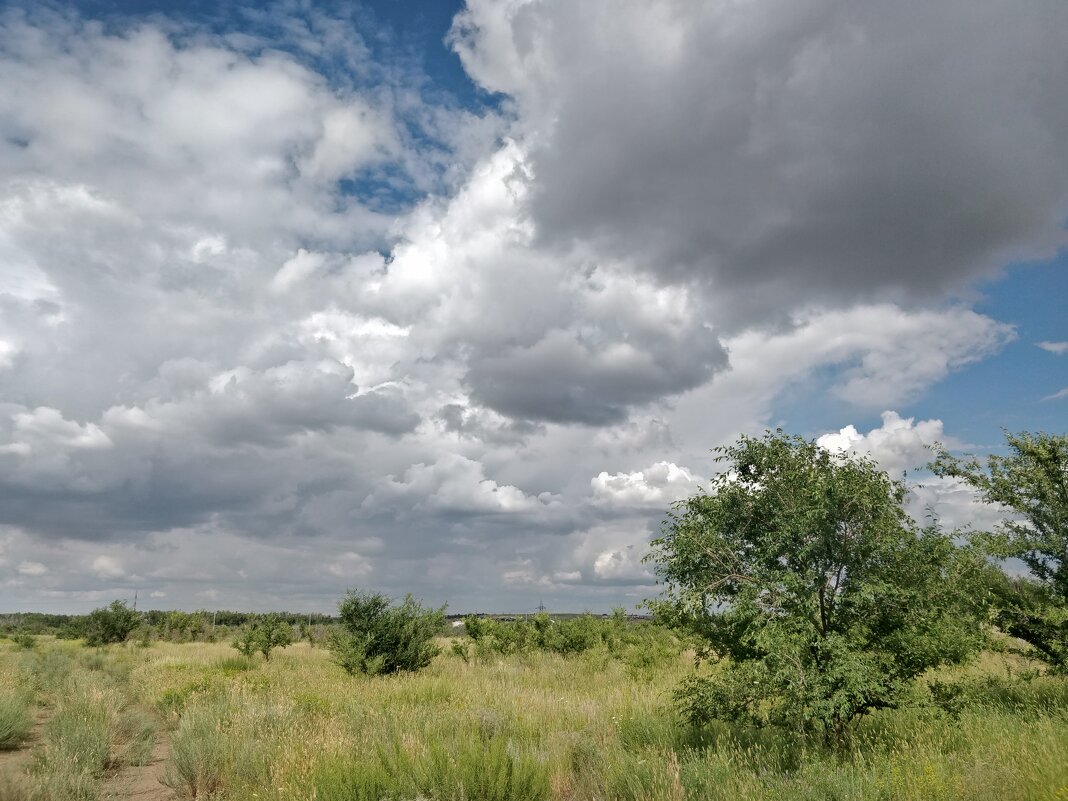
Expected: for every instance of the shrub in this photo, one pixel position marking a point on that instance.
(200, 753)
(24, 640)
(377, 637)
(112, 623)
(15, 720)
(614, 635)
(246, 643)
(264, 635)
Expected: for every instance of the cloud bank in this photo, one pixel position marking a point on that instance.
(276, 321)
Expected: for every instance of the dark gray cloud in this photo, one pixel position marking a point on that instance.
(563, 379)
(781, 151)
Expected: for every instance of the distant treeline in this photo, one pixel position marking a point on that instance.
(73, 626)
(178, 625)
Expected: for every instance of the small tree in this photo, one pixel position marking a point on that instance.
(247, 642)
(112, 623)
(377, 637)
(1031, 481)
(264, 635)
(803, 576)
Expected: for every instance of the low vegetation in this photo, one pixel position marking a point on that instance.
(15, 719)
(811, 642)
(524, 725)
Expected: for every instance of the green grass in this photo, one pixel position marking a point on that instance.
(15, 720)
(488, 770)
(78, 736)
(92, 725)
(520, 727)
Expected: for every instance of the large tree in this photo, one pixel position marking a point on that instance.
(817, 595)
(1030, 482)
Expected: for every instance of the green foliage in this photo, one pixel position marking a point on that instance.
(24, 640)
(811, 588)
(110, 624)
(15, 720)
(1033, 612)
(264, 635)
(180, 626)
(1031, 481)
(247, 643)
(640, 644)
(377, 637)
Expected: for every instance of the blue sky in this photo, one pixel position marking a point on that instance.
(456, 298)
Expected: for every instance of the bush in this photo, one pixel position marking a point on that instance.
(200, 753)
(376, 637)
(24, 640)
(112, 623)
(1028, 481)
(264, 635)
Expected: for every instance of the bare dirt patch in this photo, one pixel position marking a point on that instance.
(142, 782)
(18, 760)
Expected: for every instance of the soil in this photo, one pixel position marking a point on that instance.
(141, 782)
(133, 782)
(19, 759)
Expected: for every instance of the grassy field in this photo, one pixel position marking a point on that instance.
(519, 727)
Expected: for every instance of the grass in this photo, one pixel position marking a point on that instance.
(15, 720)
(530, 727)
(200, 752)
(92, 727)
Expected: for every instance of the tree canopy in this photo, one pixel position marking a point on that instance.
(817, 595)
(264, 634)
(1031, 483)
(110, 624)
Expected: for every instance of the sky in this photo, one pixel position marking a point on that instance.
(456, 299)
